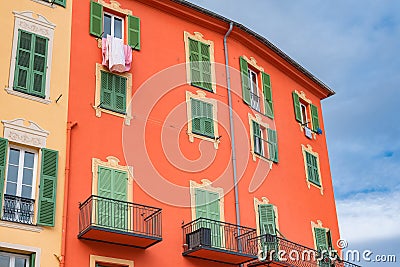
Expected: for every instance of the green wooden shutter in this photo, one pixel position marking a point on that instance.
(119, 90)
(96, 19)
(244, 73)
(61, 2)
(119, 184)
(268, 104)
(196, 116)
(296, 104)
(205, 66)
(104, 182)
(39, 65)
(3, 162)
(312, 168)
(314, 117)
(207, 120)
(22, 75)
(48, 186)
(267, 219)
(106, 90)
(134, 32)
(201, 200)
(257, 139)
(272, 145)
(194, 56)
(320, 239)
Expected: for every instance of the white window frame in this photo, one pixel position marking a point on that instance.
(41, 26)
(304, 114)
(21, 169)
(112, 24)
(254, 92)
(16, 255)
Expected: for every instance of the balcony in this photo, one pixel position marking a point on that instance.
(18, 209)
(218, 241)
(119, 222)
(276, 251)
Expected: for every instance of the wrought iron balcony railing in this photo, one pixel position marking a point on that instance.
(277, 251)
(18, 209)
(119, 217)
(220, 237)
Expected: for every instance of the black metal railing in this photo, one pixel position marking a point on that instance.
(271, 248)
(18, 209)
(120, 216)
(220, 235)
(263, 147)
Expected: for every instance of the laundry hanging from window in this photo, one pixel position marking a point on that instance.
(117, 57)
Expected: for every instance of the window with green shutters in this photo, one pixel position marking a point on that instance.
(302, 109)
(250, 89)
(323, 244)
(113, 92)
(99, 25)
(312, 168)
(202, 118)
(267, 224)
(200, 65)
(31, 64)
(265, 142)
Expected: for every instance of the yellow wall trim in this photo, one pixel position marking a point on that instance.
(31, 228)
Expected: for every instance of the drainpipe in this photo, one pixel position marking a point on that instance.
(232, 130)
(70, 125)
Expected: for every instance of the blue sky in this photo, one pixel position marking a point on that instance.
(353, 47)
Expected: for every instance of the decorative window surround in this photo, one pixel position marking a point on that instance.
(201, 95)
(206, 185)
(314, 225)
(197, 36)
(128, 116)
(257, 118)
(309, 149)
(264, 200)
(23, 250)
(31, 228)
(36, 24)
(303, 97)
(253, 62)
(107, 260)
(31, 134)
(113, 163)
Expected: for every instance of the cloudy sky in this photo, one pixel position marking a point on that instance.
(353, 47)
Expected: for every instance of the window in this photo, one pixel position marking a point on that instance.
(266, 216)
(202, 117)
(199, 61)
(312, 167)
(263, 140)
(100, 261)
(303, 108)
(251, 76)
(103, 23)
(18, 168)
(16, 260)
(113, 92)
(31, 57)
(323, 244)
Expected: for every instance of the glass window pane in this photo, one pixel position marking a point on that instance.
(14, 156)
(26, 191)
(4, 260)
(12, 174)
(27, 177)
(11, 189)
(29, 159)
(20, 262)
(118, 28)
(107, 25)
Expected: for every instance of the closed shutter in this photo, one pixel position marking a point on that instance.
(296, 104)
(22, 74)
(200, 65)
(244, 73)
(119, 88)
(268, 104)
(314, 117)
(3, 162)
(196, 116)
(104, 182)
(61, 2)
(207, 119)
(48, 186)
(312, 168)
(96, 19)
(106, 90)
(321, 239)
(194, 56)
(201, 200)
(266, 215)
(113, 92)
(205, 66)
(39, 66)
(272, 145)
(134, 32)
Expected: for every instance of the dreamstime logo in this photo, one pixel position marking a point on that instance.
(157, 145)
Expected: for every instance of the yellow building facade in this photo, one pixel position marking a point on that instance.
(34, 82)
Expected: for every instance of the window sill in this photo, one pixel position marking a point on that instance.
(256, 155)
(309, 184)
(25, 227)
(30, 97)
(203, 137)
(302, 129)
(127, 117)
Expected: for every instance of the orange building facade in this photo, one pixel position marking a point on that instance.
(191, 141)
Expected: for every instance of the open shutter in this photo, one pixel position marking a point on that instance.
(39, 66)
(48, 185)
(257, 139)
(96, 19)
(61, 2)
(22, 75)
(205, 66)
(268, 104)
(207, 119)
(194, 56)
(272, 145)
(296, 104)
(134, 32)
(244, 73)
(3, 162)
(119, 86)
(321, 239)
(267, 219)
(106, 95)
(196, 116)
(315, 170)
(314, 117)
